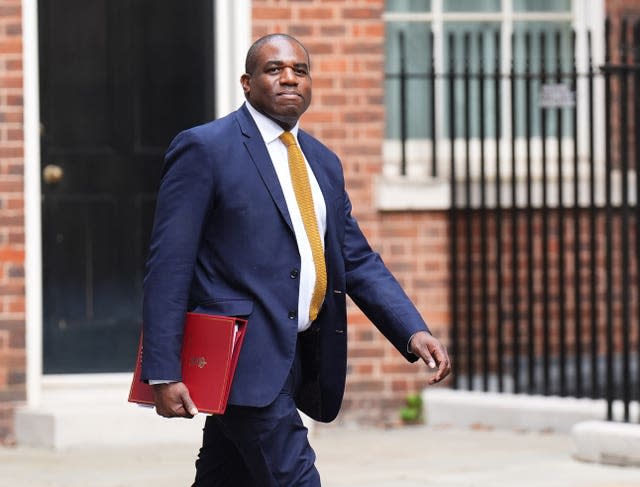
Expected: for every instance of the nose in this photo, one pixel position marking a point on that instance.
(288, 77)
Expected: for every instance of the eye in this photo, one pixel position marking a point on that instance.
(301, 71)
(273, 70)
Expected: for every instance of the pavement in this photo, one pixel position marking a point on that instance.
(408, 456)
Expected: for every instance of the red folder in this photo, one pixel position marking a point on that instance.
(210, 349)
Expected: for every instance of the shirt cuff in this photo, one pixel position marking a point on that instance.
(161, 381)
(411, 338)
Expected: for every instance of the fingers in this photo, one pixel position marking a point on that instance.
(173, 400)
(444, 364)
(433, 353)
(188, 404)
(428, 358)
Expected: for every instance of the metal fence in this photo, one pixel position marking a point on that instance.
(544, 241)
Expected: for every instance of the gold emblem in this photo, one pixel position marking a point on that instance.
(199, 362)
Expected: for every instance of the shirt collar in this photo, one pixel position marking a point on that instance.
(269, 130)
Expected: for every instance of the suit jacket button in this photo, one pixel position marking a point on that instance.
(292, 315)
(294, 273)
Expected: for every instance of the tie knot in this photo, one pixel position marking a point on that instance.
(287, 138)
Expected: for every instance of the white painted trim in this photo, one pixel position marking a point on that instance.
(232, 40)
(498, 16)
(32, 198)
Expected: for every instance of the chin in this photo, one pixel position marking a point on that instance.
(288, 114)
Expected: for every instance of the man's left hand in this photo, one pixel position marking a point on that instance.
(434, 353)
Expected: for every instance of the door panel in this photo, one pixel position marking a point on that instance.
(119, 78)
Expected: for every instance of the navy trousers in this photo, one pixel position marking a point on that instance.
(258, 447)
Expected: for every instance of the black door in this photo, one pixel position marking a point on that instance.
(118, 79)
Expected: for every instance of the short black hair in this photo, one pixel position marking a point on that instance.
(252, 53)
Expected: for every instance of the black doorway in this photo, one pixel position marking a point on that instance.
(118, 79)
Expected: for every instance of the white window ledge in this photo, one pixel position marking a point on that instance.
(417, 192)
(401, 193)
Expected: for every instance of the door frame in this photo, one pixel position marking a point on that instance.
(232, 30)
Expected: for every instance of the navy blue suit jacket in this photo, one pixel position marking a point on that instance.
(223, 243)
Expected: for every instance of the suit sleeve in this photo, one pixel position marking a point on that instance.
(184, 197)
(375, 291)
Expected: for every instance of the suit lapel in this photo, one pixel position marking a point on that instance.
(322, 176)
(260, 156)
(319, 171)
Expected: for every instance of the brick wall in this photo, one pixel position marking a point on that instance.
(12, 292)
(346, 42)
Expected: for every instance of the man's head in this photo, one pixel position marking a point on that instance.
(277, 81)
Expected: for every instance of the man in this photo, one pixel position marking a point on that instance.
(248, 225)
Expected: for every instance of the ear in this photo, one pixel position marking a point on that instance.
(244, 81)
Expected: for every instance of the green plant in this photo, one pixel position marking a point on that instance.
(412, 412)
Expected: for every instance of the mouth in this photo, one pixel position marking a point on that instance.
(290, 95)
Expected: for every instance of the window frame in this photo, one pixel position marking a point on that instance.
(581, 17)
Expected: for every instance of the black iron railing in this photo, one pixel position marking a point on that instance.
(545, 245)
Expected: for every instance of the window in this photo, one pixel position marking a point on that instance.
(429, 40)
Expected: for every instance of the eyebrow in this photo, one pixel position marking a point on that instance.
(281, 63)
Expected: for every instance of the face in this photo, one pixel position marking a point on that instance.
(280, 86)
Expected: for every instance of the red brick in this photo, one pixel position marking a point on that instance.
(400, 386)
(362, 13)
(11, 152)
(316, 117)
(10, 81)
(14, 64)
(270, 13)
(15, 203)
(333, 30)
(363, 116)
(316, 48)
(11, 221)
(14, 100)
(17, 305)
(9, 254)
(365, 386)
(11, 186)
(13, 29)
(362, 47)
(11, 117)
(316, 14)
(399, 367)
(13, 394)
(363, 369)
(365, 351)
(9, 10)
(15, 271)
(333, 65)
(300, 30)
(12, 289)
(16, 236)
(333, 100)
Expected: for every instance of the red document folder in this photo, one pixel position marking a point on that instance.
(210, 349)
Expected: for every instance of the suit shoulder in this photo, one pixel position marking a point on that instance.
(198, 146)
(210, 130)
(310, 143)
(315, 144)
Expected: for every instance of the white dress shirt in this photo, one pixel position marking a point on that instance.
(270, 131)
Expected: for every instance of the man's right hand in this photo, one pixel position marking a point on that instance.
(173, 400)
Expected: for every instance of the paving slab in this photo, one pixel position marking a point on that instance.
(347, 457)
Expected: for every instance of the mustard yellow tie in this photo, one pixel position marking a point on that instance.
(302, 190)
